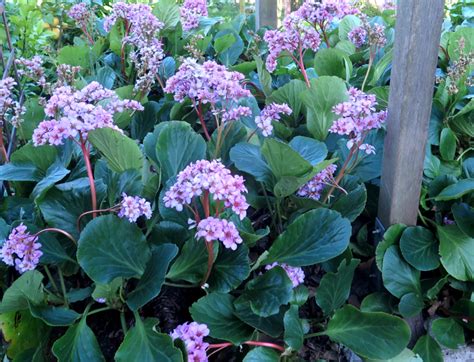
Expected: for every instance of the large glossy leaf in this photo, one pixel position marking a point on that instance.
(334, 288)
(457, 252)
(420, 248)
(290, 93)
(248, 158)
(447, 146)
(448, 332)
(369, 334)
(398, 276)
(122, 153)
(230, 269)
(457, 190)
(27, 289)
(110, 247)
(153, 277)
(411, 304)
(54, 316)
(267, 292)
(262, 354)
(177, 146)
(428, 349)
(272, 325)
(333, 62)
(352, 204)
(391, 236)
(295, 328)
(144, 343)
(325, 92)
(78, 344)
(464, 217)
(310, 149)
(168, 13)
(217, 311)
(314, 237)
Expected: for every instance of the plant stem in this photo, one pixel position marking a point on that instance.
(123, 323)
(179, 285)
(90, 174)
(371, 60)
(340, 175)
(301, 65)
(210, 261)
(50, 277)
(318, 334)
(78, 225)
(201, 119)
(63, 287)
(98, 310)
(65, 233)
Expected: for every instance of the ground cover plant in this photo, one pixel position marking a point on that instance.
(177, 185)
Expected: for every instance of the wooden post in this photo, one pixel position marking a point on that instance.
(266, 12)
(417, 37)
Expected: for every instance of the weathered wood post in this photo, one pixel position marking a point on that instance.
(417, 37)
(266, 13)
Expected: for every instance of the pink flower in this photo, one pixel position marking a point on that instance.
(132, 207)
(32, 68)
(21, 250)
(81, 14)
(295, 274)
(211, 229)
(313, 188)
(358, 36)
(206, 83)
(208, 176)
(191, 11)
(74, 113)
(357, 117)
(271, 112)
(236, 113)
(192, 334)
(6, 95)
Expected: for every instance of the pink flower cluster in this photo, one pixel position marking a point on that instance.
(21, 250)
(314, 187)
(66, 74)
(6, 99)
(132, 207)
(357, 117)
(235, 113)
(191, 11)
(192, 334)
(208, 177)
(295, 274)
(269, 113)
(295, 36)
(81, 14)
(141, 32)
(358, 36)
(32, 68)
(322, 13)
(74, 113)
(213, 228)
(206, 83)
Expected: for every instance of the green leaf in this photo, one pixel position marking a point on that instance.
(311, 150)
(457, 190)
(272, 326)
(410, 305)
(325, 92)
(230, 269)
(381, 66)
(224, 42)
(262, 354)
(447, 145)
(398, 277)
(28, 288)
(376, 302)
(168, 13)
(369, 334)
(428, 349)
(391, 236)
(457, 252)
(448, 332)
(405, 356)
(153, 277)
(217, 311)
(465, 33)
(54, 316)
(334, 288)
(144, 343)
(122, 153)
(234, 132)
(295, 328)
(290, 93)
(110, 247)
(31, 119)
(347, 25)
(42, 156)
(464, 217)
(264, 77)
(78, 344)
(177, 146)
(333, 62)
(78, 55)
(230, 52)
(267, 292)
(283, 160)
(420, 248)
(248, 158)
(352, 204)
(314, 237)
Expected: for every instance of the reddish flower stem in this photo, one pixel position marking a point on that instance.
(78, 225)
(209, 245)
(340, 175)
(60, 231)
(201, 119)
(301, 65)
(2, 146)
(84, 30)
(249, 343)
(90, 174)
